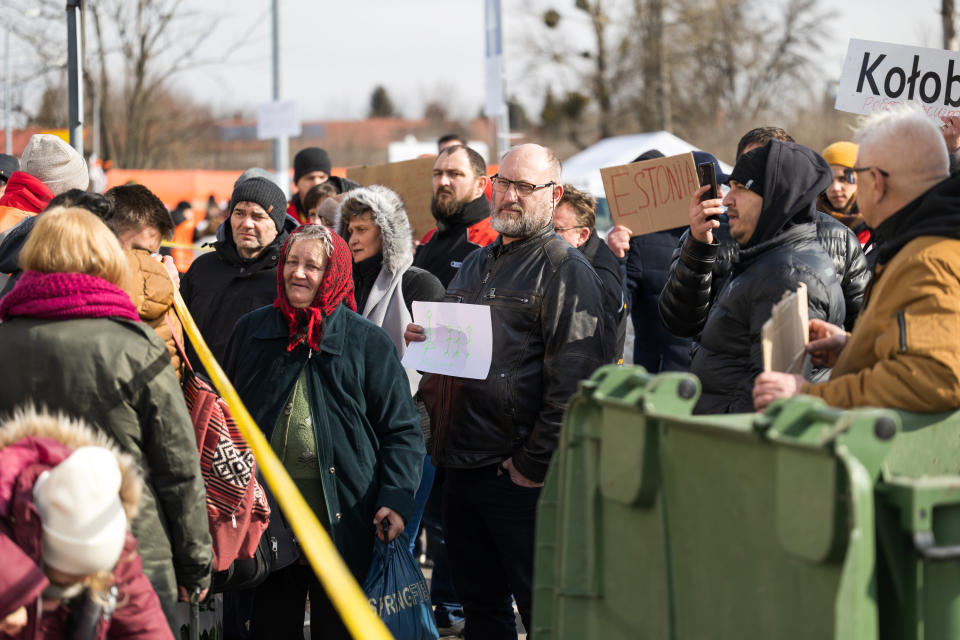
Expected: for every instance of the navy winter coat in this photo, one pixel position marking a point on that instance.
(369, 443)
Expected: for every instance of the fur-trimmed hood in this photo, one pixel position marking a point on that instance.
(390, 215)
(72, 434)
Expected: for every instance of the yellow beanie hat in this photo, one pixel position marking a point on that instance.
(841, 153)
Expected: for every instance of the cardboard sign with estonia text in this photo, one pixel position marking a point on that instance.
(412, 180)
(879, 75)
(652, 195)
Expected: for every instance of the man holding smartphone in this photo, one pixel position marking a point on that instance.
(770, 207)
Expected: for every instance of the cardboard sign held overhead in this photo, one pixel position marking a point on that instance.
(652, 195)
(413, 182)
(877, 76)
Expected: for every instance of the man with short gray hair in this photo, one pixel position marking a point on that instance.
(903, 352)
(574, 220)
(494, 437)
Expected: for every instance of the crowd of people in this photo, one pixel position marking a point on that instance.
(307, 305)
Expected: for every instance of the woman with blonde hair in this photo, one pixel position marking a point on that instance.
(80, 348)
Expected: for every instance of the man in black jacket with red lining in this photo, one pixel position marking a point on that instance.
(461, 210)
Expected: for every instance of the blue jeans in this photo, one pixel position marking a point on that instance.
(420, 502)
(489, 522)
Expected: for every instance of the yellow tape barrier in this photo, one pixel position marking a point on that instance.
(344, 592)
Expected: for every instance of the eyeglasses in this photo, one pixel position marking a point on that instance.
(562, 229)
(524, 189)
(850, 175)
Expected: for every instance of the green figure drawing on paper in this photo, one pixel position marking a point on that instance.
(466, 347)
(428, 331)
(456, 354)
(446, 351)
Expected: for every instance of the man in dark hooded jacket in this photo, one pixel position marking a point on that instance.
(240, 275)
(770, 207)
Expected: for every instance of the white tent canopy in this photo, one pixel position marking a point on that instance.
(582, 170)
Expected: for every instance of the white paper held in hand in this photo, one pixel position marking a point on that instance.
(459, 339)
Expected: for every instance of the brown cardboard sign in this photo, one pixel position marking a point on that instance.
(413, 182)
(652, 195)
(785, 335)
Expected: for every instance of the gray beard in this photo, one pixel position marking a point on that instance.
(523, 227)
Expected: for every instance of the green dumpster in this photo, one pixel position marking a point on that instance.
(802, 522)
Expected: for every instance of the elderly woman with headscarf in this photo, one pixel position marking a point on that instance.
(327, 388)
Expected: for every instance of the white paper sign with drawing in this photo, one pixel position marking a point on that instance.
(459, 339)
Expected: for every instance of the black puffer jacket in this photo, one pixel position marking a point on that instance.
(853, 271)
(547, 315)
(840, 243)
(783, 252)
(220, 287)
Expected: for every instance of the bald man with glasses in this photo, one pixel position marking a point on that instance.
(494, 437)
(904, 351)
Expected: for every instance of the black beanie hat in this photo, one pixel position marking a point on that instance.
(310, 159)
(8, 164)
(751, 168)
(264, 193)
(650, 154)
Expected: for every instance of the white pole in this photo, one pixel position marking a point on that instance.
(75, 73)
(7, 116)
(496, 108)
(281, 144)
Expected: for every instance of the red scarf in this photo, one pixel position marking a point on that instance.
(61, 296)
(26, 193)
(336, 286)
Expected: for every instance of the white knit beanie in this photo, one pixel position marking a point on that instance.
(55, 163)
(84, 525)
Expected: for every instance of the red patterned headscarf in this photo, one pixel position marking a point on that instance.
(306, 325)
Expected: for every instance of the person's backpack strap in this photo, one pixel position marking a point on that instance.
(178, 342)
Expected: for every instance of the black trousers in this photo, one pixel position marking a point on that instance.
(489, 524)
(278, 607)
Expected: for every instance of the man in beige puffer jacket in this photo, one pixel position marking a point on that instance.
(141, 222)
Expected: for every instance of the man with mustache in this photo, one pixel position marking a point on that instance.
(771, 211)
(494, 437)
(462, 212)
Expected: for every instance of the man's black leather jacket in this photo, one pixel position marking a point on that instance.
(548, 325)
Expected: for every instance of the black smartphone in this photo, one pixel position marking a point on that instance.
(708, 176)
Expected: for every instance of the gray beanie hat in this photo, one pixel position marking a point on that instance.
(265, 193)
(55, 163)
(254, 172)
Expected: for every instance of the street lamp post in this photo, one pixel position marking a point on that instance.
(8, 124)
(74, 73)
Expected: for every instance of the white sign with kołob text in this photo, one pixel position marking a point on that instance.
(879, 75)
(459, 339)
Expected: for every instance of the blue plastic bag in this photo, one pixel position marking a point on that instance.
(398, 591)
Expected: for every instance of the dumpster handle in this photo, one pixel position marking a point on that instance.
(926, 546)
